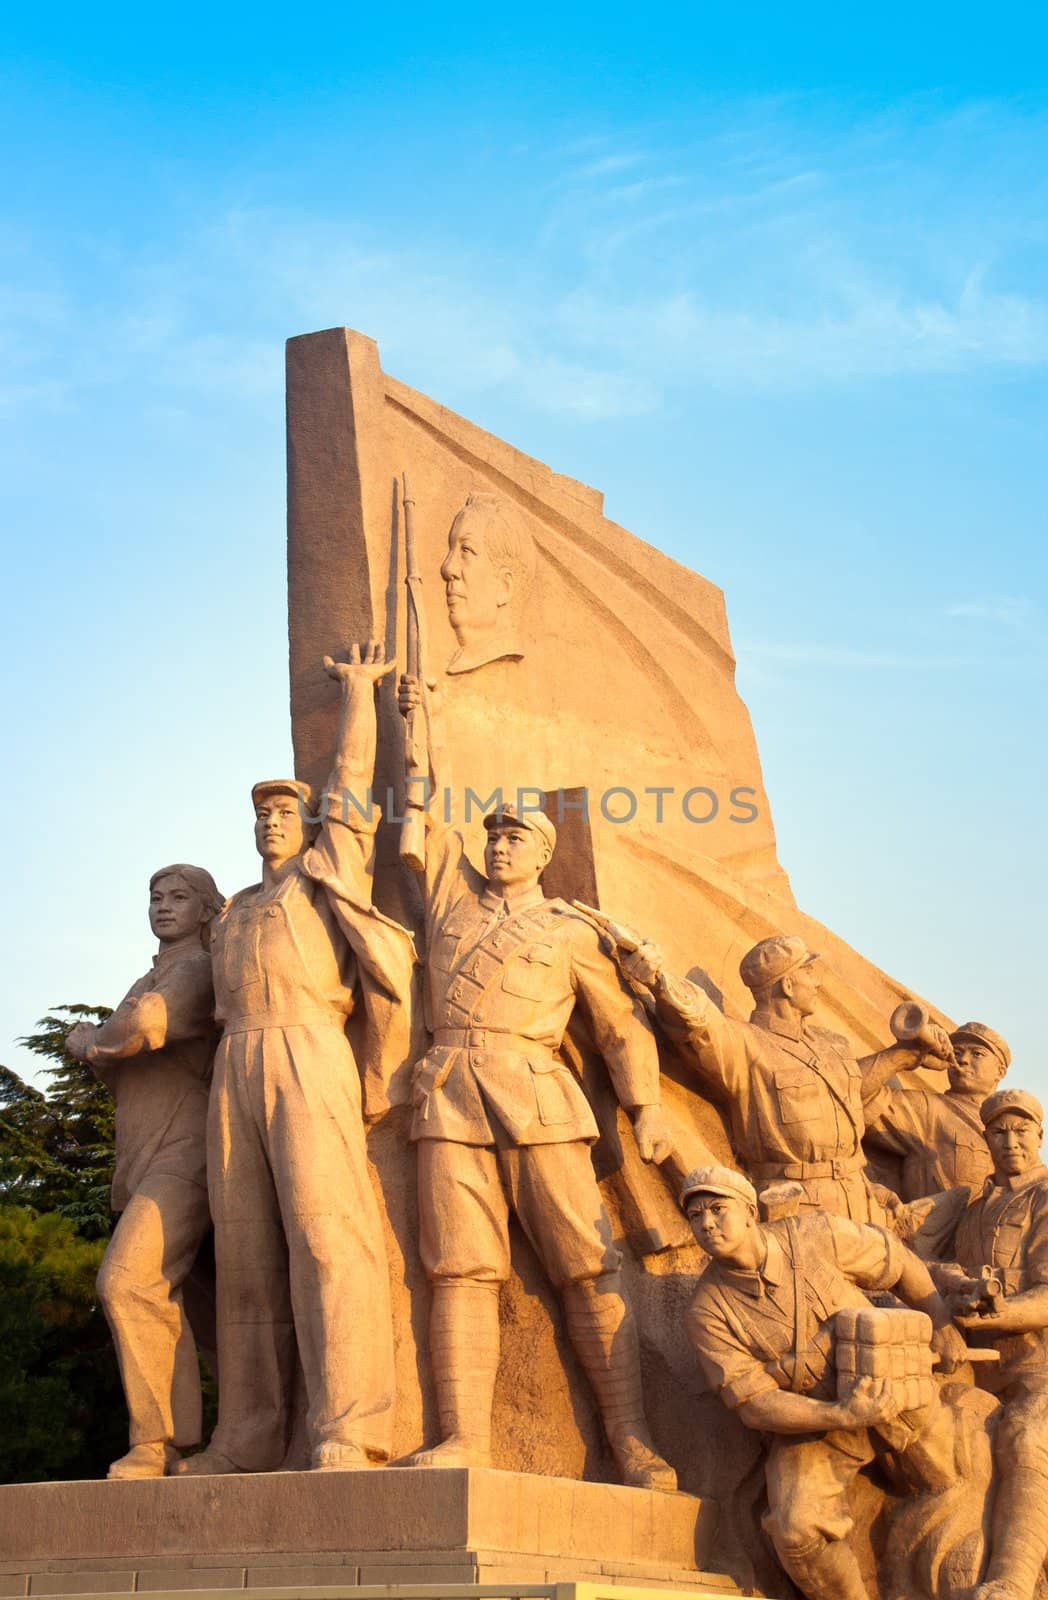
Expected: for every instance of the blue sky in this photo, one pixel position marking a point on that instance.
(775, 279)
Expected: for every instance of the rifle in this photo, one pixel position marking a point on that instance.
(416, 725)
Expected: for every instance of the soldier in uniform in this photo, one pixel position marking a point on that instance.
(154, 1055)
(300, 1257)
(939, 1137)
(793, 1092)
(1005, 1230)
(762, 1326)
(500, 1122)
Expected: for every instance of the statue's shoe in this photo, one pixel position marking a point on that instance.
(145, 1461)
(642, 1467)
(457, 1451)
(205, 1464)
(995, 1589)
(340, 1455)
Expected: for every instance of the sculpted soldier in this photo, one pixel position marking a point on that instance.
(762, 1325)
(793, 1092)
(154, 1055)
(998, 1285)
(500, 1122)
(487, 574)
(938, 1136)
(300, 1257)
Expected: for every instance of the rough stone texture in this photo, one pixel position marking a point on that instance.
(396, 1527)
(626, 678)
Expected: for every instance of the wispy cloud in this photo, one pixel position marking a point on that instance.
(772, 251)
(1010, 610)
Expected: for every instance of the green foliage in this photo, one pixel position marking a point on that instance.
(56, 1147)
(60, 1394)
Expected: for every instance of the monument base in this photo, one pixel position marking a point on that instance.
(425, 1531)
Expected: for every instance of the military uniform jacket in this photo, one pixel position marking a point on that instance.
(793, 1096)
(299, 951)
(503, 977)
(160, 1088)
(773, 1328)
(939, 1137)
(1007, 1228)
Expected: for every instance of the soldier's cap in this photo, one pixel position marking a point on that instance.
(979, 1033)
(537, 821)
(298, 790)
(773, 959)
(718, 1180)
(1021, 1101)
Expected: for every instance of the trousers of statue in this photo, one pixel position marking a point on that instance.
(299, 1248)
(140, 1284)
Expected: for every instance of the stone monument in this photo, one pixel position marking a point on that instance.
(547, 1231)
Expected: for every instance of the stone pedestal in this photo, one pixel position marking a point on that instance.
(430, 1530)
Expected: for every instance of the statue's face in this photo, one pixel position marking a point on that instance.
(1015, 1144)
(175, 910)
(978, 1069)
(721, 1223)
(474, 589)
(280, 832)
(514, 856)
(804, 984)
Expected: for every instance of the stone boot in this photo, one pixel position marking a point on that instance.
(604, 1335)
(207, 1463)
(152, 1460)
(464, 1352)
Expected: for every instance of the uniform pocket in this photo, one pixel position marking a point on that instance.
(798, 1095)
(533, 974)
(555, 1091)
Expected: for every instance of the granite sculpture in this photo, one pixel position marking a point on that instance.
(154, 1054)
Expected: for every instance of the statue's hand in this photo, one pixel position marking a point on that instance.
(80, 1040)
(937, 1045)
(949, 1347)
(652, 1133)
(871, 1401)
(365, 665)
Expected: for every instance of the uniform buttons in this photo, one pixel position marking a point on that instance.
(271, 911)
(478, 1016)
(456, 991)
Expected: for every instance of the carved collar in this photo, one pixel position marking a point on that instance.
(785, 1027)
(509, 904)
(1022, 1180)
(756, 1283)
(189, 945)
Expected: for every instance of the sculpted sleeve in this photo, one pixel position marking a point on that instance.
(869, 1256)
(730, 1370)
(620, 1024)
(1035, 1264)
(341, 863)
(175, 1002)
(898, 1120)
(715, 1045)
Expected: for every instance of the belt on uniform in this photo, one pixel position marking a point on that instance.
(842, 1167)
(489, 1039)
(257, 1020)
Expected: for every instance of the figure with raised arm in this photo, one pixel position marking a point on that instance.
(501, 1124)
(792, 1091)
(300, 1253)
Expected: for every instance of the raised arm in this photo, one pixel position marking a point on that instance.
(353, 767)
(713, 1044)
